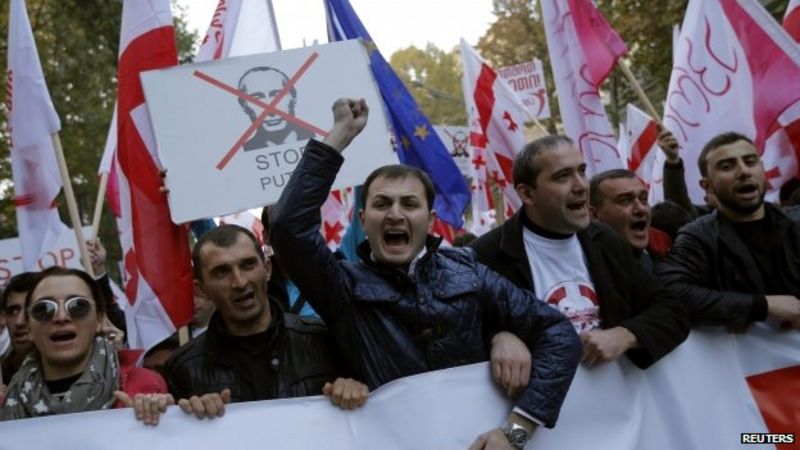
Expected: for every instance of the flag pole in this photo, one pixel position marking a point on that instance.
(72, 206)
(637, 88)
(98, 205)
(183, 335)
(537, 123)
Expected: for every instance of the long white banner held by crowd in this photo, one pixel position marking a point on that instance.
(231, 132)
(696, 398)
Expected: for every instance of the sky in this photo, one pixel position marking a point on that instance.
(393, 24)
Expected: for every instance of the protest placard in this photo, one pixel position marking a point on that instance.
(64, 253)
(231, 132)
(527, 80)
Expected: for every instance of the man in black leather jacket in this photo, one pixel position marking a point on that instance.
(409, 306)
(252, 350)
(741, 263)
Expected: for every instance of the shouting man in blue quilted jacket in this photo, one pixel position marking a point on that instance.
(409, 306)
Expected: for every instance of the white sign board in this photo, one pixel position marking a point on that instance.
(456, 139)
(64, 253)
(231, 132)
(527, 80)
(695, 398)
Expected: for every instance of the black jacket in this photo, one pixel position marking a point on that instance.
(628, 295)
(295, 360)
(711, 269)
(389, 323)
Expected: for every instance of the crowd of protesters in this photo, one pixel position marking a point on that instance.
(586, 271)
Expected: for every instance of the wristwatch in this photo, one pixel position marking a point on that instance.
(517, 435)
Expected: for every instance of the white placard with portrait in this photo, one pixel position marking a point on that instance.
(231, 132)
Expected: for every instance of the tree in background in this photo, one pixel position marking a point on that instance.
(433, 78)
(78, 43)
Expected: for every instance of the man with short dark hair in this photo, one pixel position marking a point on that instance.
(410, 306)
(12, 303)
(741, 263)
(251, 350)
(579, 267)
(618, 198)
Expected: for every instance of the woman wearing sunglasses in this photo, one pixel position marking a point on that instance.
(73, 368)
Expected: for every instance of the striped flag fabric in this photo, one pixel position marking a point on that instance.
(155, 250)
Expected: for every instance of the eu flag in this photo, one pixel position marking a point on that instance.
(416, 142)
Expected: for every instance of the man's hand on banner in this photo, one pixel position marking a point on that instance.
(501, 439)
(206, 406)
(785, 309)
(349, 119)
(602, 346)
(346, 393)
(669, 145)
(510, 362)
(147, 407)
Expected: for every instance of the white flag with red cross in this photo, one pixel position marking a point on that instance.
(735, 69)
(32, 120)
(497, 116)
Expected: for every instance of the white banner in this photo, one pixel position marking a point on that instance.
(695, 398)
(527, 80)
(231, 132)
(64, 252)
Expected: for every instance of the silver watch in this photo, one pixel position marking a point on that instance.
(516, 434)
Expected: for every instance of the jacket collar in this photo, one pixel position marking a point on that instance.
(220, 346)
(364, 251)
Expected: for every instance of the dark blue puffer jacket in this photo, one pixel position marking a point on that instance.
(389, 324)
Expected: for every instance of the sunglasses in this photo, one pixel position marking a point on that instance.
(45, 310)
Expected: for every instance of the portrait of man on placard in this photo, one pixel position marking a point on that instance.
(265, 83)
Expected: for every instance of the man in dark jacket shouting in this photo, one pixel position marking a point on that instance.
(409, 306)
(580, 267)
(741, 263)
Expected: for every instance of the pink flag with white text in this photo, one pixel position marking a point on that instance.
(32, 120)
(735, 69)
(583, 50)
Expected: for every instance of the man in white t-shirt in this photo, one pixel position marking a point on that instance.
(582, 268)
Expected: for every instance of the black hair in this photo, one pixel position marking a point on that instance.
(396, 171)
(715, 143)
(595, 194)
(20, 283)
(223, 236)
(669, 217)
(525, 169)
(57, 271)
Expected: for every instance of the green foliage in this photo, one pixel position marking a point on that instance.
(433, 78)
(78, 43)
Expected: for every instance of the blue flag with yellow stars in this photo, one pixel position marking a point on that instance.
(416, 142)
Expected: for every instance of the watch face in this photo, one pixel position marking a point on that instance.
(517, 436)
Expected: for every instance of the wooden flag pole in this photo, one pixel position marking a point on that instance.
(98, 205)
(537, 123)
(72, 206)
(183, 335)
(623, 66)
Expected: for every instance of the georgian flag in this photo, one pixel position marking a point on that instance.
(155, 250)
(641, 146)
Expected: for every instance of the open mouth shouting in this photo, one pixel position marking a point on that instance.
(396, 240)
(748, 190)
(63, 337)
(578, 206)
(245, 300)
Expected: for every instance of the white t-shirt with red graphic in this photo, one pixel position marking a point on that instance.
(561, 279)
